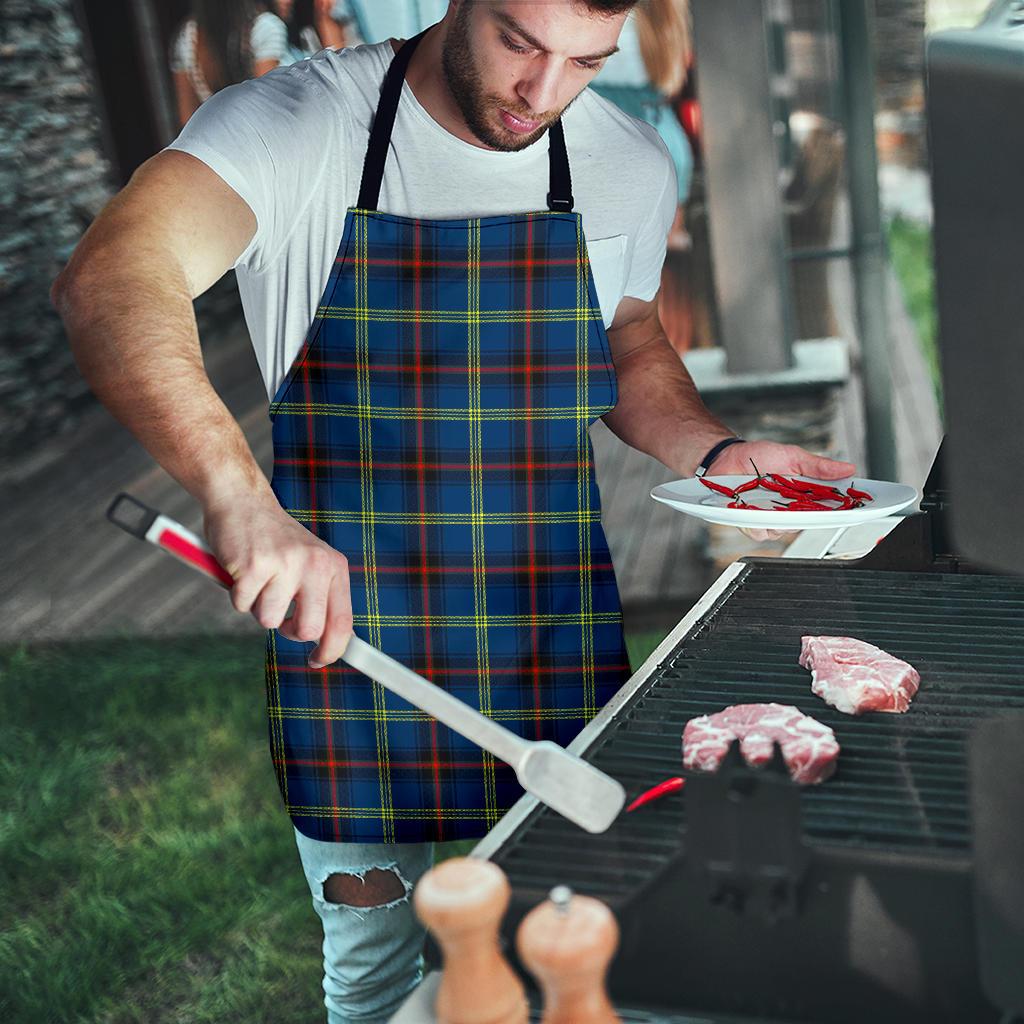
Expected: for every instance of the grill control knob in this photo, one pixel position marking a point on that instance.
(567, 943)
(462, 902)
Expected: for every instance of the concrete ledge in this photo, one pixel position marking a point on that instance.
(819, 363)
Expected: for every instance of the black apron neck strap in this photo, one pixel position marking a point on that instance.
(383, 122)
(559, 186)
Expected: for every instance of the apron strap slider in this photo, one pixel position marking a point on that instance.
(559, 205)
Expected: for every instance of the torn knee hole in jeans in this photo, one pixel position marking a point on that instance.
(376, 888)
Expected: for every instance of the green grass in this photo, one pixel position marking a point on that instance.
(910, 248)
(640, 646)
(149, 872)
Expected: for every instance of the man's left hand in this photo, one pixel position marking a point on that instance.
(771, 457)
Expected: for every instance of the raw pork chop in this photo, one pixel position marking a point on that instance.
(808, 747)
(855, 677)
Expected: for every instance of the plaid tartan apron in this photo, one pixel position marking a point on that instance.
(434, 429)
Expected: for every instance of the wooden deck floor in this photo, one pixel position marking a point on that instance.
(68, 572)
(72, 573)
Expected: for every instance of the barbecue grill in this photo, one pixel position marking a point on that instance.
(895, 890)
(746, 895)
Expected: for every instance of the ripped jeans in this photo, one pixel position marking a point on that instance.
(373, 955)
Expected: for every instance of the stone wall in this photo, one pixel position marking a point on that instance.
(54, 178)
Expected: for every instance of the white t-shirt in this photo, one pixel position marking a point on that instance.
(292, 143)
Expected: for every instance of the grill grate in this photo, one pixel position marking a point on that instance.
(901, 784)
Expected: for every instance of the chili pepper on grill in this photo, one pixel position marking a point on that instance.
(661, 789)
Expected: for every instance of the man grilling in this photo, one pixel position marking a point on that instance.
(440, 308)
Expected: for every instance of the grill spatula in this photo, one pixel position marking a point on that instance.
(564, 782)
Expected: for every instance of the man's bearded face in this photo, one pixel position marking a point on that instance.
(474, 91)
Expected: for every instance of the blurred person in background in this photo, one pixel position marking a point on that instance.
(221, 43)
(647, 75)
(313, 25)
(374, 20)
(646, 79)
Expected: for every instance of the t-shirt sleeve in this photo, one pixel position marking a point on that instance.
(269, 38)
(652, 237)
(269, 139)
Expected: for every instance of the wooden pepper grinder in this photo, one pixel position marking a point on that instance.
(567, 943)
(462, 901)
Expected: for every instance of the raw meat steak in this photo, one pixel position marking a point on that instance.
(808, 747)
(855, 677)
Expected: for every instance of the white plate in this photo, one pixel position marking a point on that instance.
(693, 498)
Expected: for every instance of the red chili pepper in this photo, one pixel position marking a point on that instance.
(668, 786)
(717, 487)
(786, 492)
(809, 487)
(862, 495)
(807, 506)
(750, 485)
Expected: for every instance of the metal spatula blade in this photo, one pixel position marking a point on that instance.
(565, 783)
(571, 786)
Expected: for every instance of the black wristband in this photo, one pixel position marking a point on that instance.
(705, 463)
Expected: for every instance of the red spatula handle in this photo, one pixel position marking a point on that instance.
(147, 524)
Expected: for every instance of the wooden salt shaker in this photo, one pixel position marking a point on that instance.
(462, 901)
(567, 943)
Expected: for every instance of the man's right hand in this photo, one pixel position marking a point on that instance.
(273, 559)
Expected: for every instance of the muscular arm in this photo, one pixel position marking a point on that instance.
(659, 410)
(126, 301)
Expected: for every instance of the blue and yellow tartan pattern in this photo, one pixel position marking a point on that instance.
(434, 429)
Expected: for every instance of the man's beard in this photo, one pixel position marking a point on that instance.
(466, 86)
